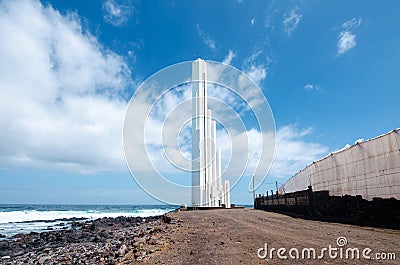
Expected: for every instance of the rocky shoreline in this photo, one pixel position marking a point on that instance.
(121, 240)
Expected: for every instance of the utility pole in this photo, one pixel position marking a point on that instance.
(254, 195)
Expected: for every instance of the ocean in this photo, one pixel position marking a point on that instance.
(26, 218)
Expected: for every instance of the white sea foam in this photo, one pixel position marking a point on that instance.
(32, 215)
(14, 222)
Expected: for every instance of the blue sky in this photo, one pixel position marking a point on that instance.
(329, 70)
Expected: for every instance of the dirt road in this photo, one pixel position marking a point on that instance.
(235, 236)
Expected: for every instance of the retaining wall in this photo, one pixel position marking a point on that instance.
(370, 169)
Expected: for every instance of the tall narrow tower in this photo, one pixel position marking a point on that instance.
(199, 92)
(207, 189)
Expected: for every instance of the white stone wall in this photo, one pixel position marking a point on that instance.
(370, 169)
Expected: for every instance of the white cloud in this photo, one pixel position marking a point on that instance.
(347, 39)
(310, 87)
(253, 57)
(61, 103)
(117, 12)
(252, 21)
(352, 23)
(228, 59)
(292, 152)
(257, 73)
(206, 38)
(291, 21)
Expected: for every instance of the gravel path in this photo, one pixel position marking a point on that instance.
(235, 236)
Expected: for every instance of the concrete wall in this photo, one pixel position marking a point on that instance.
(370, 169)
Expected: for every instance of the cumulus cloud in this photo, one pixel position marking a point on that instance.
(347, 39)
(62, 102)
(205, 37)
(291, 21)
(117, 12)
(62, 99)
(292, 152)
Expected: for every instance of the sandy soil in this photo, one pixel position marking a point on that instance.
(234, 237)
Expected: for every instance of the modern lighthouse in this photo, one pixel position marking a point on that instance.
(207, 188)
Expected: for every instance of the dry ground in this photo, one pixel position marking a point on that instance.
(234, 236)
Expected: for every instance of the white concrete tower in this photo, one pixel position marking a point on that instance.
(207, 188)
